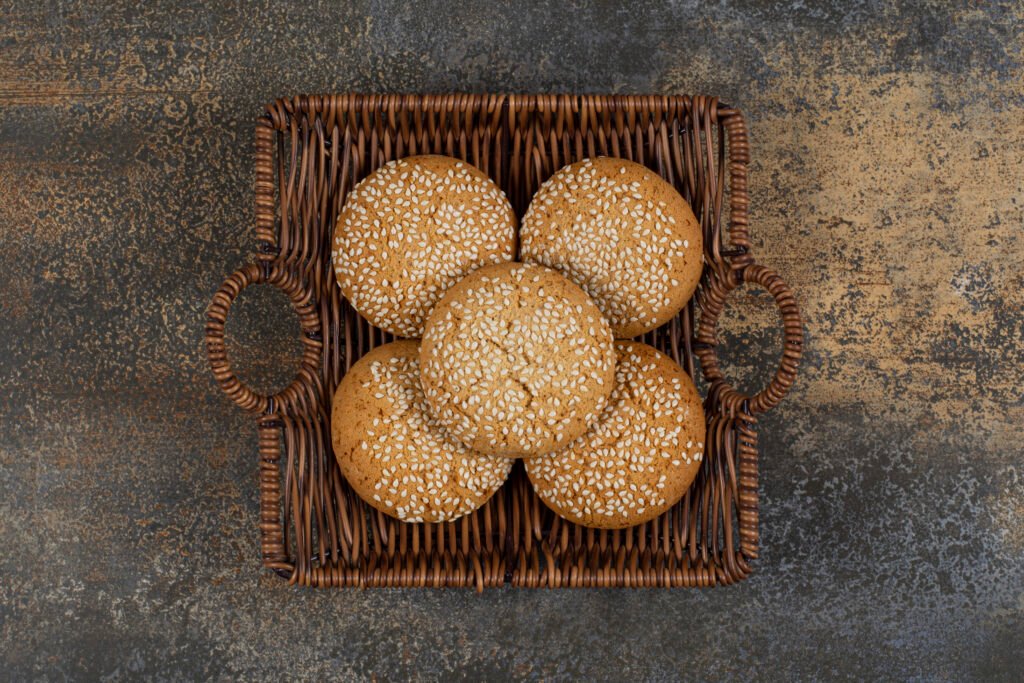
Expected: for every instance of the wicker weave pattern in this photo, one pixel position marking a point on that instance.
(310, 151)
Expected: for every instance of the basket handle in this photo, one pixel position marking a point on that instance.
(303, 388)
(712, 304)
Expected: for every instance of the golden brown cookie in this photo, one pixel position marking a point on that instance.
(413, 228)
(623, 234)
(516, 360)
(640, 457)
(393, 453)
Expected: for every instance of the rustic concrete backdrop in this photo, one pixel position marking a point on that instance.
(887, 187)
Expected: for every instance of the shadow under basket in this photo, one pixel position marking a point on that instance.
(310, 152)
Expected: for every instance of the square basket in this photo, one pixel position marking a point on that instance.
(310, 152)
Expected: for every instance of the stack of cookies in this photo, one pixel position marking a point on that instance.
(506, 359)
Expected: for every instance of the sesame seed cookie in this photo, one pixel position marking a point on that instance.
(393, 453)
(516, 360)
(623, 234)
(640, 457)
(412, 229)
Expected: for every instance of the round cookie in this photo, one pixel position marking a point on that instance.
(623, 234)
(413, 228)
(516, 360)
(640, 457)
(393, 453)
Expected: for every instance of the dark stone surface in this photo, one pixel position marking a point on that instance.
(888, 188)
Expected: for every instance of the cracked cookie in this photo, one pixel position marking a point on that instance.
(639, 458)
(623, 234)
(392, 451)
(516, 360)
(413, 228)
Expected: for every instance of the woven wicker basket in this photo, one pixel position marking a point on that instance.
(310, 151)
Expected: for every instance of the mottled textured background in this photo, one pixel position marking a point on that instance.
(887, 187)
